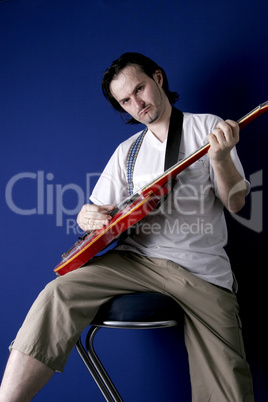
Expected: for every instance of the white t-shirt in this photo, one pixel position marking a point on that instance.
(189, 228)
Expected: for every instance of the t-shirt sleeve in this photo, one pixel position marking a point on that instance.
(111, 187)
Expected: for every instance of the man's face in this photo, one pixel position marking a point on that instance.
(139, 95)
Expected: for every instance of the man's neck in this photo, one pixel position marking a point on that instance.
(161, 126)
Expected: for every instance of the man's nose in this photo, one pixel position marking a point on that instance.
(138, 102)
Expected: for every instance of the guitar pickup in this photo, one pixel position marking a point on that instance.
(124, 204)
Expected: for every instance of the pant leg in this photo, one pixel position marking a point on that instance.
(219, 371)
(218, 368)
(69, 303)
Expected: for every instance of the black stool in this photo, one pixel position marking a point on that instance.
(130, 311)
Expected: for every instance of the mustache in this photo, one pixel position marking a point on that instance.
(143, 108)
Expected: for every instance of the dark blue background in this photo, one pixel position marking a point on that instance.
(54, 120)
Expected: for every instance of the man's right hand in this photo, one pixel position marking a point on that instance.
(92, 217)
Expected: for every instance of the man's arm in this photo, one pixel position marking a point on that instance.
(232, 187)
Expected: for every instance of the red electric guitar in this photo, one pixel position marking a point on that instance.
(135, 207)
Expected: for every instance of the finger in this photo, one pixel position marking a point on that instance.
(91, 224)
(102, 214)
(216, 138)
(92, 217)
(96, 215)
(230, 130)
(97, 208)
(224, 132)
(95, 211)
(212, 139)
(235, 128)
(94, 224)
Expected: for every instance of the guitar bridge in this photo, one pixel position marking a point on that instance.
(76, 245)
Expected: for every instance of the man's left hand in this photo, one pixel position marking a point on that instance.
(222, 139)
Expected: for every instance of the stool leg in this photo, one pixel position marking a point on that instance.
(96, 368)
(105, 379)
(84, 356)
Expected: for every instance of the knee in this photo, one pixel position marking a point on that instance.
(52, 289)
(63, 288)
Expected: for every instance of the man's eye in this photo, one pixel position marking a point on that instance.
(125, 101)
(139, 88)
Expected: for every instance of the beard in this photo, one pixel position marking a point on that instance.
(151, 116)
(155, 110)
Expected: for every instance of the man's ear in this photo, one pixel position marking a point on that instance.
(158, 77)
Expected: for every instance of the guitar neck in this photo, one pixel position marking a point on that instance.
(257, 112)
(172, 172)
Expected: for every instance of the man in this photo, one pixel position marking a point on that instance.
(177, 250)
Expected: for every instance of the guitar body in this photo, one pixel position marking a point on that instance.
(94, 242)
(135, 208)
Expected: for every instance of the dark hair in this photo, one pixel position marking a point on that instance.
(146, 65)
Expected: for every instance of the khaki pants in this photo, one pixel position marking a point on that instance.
(218, 368)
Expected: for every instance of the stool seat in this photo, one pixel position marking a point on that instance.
(138, 310)
(129, 311)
